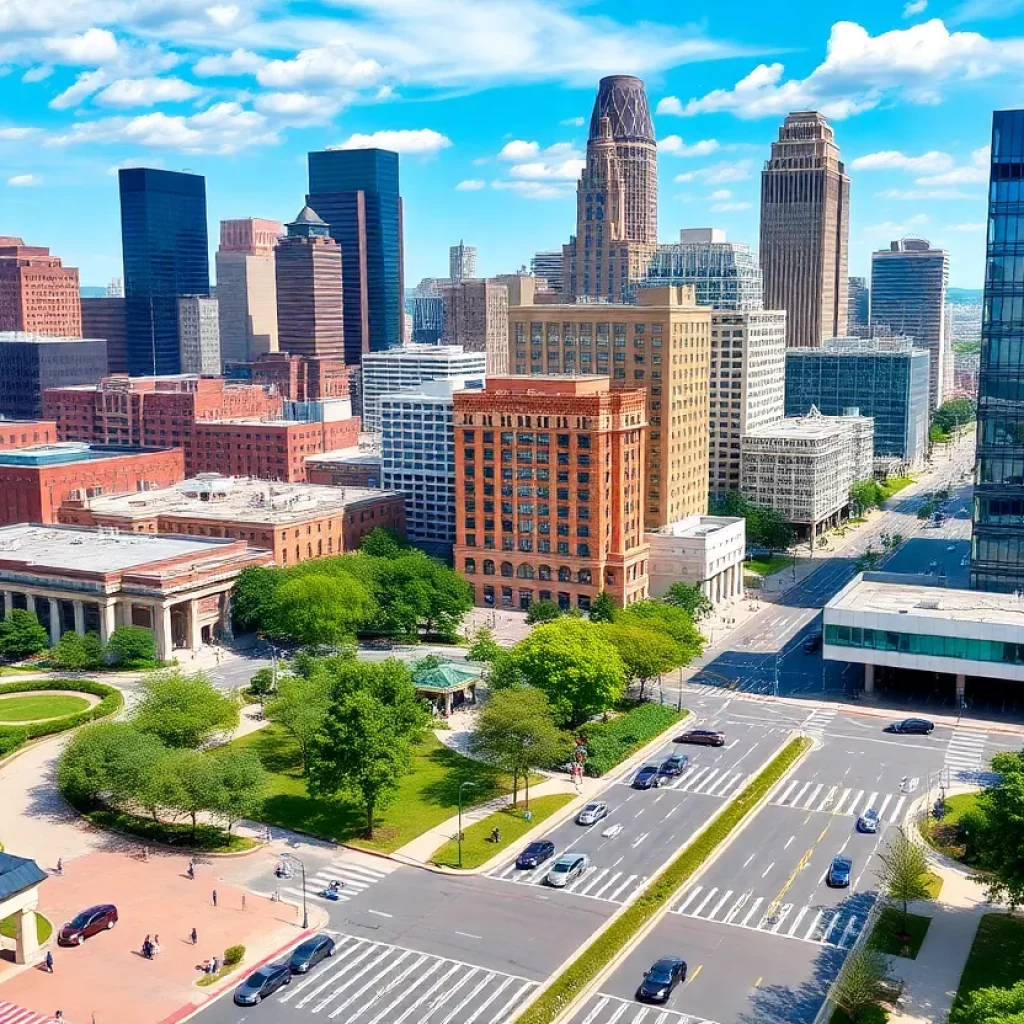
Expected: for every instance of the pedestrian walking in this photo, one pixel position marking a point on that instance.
(58, 1017)
(191, 869)
(194, 936)
(243, 902)
(49, 960)
(60, 865)
(215, 897)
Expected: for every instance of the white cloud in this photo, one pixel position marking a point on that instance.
(979, 226)
(146, 92)
(94, 46)
(718, 174)
(912, 7)
(576, 122)
(722, 193)
(894, 229)
(223, 15)
(517, 149)
(674, 144)
(470, 185)
(861, 70)
(980, 10)
(893, 160)
(533, 189)
(298, 108)
(24, 181)
(17, 133)
(975, 174)
(918, 194)
(37, 74)
(320, 67)
(420, 141)
(729, 207)
(81, 89)
(238, 62)
(671, 106)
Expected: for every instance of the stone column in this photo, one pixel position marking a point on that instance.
(26, 937)
(8, 603)
(869, 678)
(54, 620)
(224, 621)
(108, 620)
(79, 617)
(164, 636)
(961, 689)
(30, 603)
(195, 636)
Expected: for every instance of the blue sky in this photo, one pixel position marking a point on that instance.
(488, 102)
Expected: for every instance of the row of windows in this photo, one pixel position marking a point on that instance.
(527, 571)
(923, 643)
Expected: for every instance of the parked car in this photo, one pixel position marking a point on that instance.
(96, 919)
(702, 737)
(647, 777)
(308, 954)
(567, 869)
(838, 876)
(674, 765)
(263, 982)
(868, 821)
(661, 979)
(812, 643)
(918, 726)
(592, 813)
(535, 854)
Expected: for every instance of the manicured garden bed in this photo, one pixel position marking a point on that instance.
(767, 566)
(14, 710)
(945, 835)
(885, 936)
(996, 959)
(610, 743)
(208, 838)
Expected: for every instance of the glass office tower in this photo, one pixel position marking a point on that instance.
(997, 546)
(356, 192)
(164, 244)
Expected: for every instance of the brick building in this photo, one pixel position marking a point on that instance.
(300, 379)
(294, 521)
(349, 467)
(38, 293)
(21, 433)
(549, 491)
(36, 480)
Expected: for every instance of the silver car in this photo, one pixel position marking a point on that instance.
(567, 869)
(592, 813)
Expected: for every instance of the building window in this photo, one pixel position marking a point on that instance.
(488, 567)
(470, 566)
(506, 568)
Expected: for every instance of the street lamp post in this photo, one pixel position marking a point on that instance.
(302, 865)
(462, 785)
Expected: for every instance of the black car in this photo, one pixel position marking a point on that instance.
(702, 737)
(659, 981)
(535, 854)
(917, 726)
(812, 643)
(674, 765)
(647, 777)
(838, 876)
(264, 981)
(87, 923)
(308, 954)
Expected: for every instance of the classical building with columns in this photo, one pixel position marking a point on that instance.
(704, 551)
(95, 580)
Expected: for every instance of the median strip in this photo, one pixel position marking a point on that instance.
(559, 993)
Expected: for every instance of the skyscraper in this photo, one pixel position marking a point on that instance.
(908, 292)
(37, 292)
(356, 192)
(997, 547)
(309, 290)
(858, 308)
(199, 335)
(164, 245)
(617, 195)
(475, 315)
(549, 265)
(461, 262)
(805, 229)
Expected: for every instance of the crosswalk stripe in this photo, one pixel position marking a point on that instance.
(803, 789)
(752, 910)
(516, 996)
(737, 907)
(836, 915)
(414, 984)
(607, 885)
(719, 905)
(885, 803)
(689, 899)
(362, 952)
(597, 878)
(490, 999)
(487, 979)
(452, 992)
(796, 920)
(896, 810)
(842, 800)
(781, 916)
(625, 885)
(702, 786)
(814, 924)
(596, 1011)
(707, 899)
(371, 963)
(846, 931)
(828, 798)
(426, 995)
(729, 789)
(371, 982)
(813, 796)
(852, 809)
(784, 795)
(585, 873)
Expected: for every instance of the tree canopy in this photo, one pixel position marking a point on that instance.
(645, 653)
(300, 706)
(670, 620)
(1002, 842)
(903, 875)
(317, 609)
(993, 1006)
(765, 526)
(543, 611)
(22, 635)
(183, 710)
(691, 599)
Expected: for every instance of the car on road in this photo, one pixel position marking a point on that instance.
(308, 954)
(567, 869)
(659, 981)
(868, 821)
(702, 737)
(100, 918)
(917, 726)
(263, 982)
(674, 765)
(592, 813)
(535, 854)
(812, 643)
(838, 876)
(647, 777)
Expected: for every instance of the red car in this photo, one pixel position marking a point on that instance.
(88, 922)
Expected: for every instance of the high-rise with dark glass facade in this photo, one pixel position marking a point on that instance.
(997, 546)
(356, 192)
(164, 243)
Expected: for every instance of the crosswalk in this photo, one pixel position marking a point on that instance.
(839, 799)
(354, 877)
(699, 779)
(829, 926)
(964, 754)
(13, 1014)
(818, 721)
(605, 1009)
(368, 982)
(596, 882)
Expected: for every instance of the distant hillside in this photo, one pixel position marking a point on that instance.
(964, 296)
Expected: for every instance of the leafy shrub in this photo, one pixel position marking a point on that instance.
(111, 701)
(131, 647)
(609, 743)
(12, 737)
(234, 955)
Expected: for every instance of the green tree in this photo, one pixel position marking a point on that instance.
(105, 761)
(579, 670)
(1002, 840)
(993, 1006)
(903, 875)
(674, 622)
(183, 710)
(190, 782)
(300, 707)
(74, 652)
(645, 653)
(243, 782)
(318, 609)
(863, 983)
(866, 495)
(765, 526)
(543, 611)
(262, 683)
(603, 608)
(21, 635)
(516, 732)
(131, 647)
(415, 591)
(252, 598)
(957, 412)
(691, 599)
(381, 542)
(484, 647)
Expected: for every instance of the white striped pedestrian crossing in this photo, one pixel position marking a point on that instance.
(699, 779)
(606, 1009)
(10, 1013)
(595, 883)
(810, 796)
(965, 750)
(353, 876)
(829, 926)
(818, 721)
(368, 982)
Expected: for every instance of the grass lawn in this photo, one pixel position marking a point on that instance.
(997, 958)
(33, 707)
(9, 928)
(767, 566)
(896, 484)
(884, 935)
(934, 883)
(428, 795)
(944, 835)
(477, 847)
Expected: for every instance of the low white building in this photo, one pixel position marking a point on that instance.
(700, 550)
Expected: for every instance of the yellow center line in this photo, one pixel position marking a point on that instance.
(697, 970)
(757, 983)
(804, 861)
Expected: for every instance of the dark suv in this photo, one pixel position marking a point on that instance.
(96, 919)
(309, 953)
(702, 737)
(917, 726)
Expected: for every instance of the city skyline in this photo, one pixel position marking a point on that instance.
(491, 149)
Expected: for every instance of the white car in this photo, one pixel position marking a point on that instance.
(592, 813)
(567, 869)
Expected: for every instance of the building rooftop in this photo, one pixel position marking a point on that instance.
(29, 337)
(813, 426)
(62, 453)
(695, 526)
(440, 351)
(353, 456)
(239, 499)
(434, 390)
(900, 345)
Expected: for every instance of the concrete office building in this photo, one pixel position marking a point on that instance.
(31, 363)
(703, 551)
(550, 267)
(804, 467)
(475, 316)
(199, 335)
(724, 274)
(858, 308)
(805, 230)
(386, 372)
(38, 294)
(359, 466)
(617, 196)
(461, 262)
(247, 288)
(748, 378)
(549, 491)
(115, 288)
(908, 292)
(105, 318)
(884, 378)
(663, 344)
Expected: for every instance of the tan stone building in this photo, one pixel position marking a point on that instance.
(476, 317)
(662, 344)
